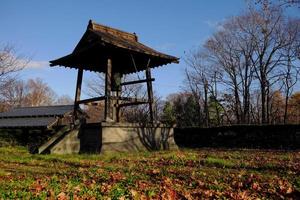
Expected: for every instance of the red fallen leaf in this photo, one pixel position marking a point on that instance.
(142, 185)
(201, 184)
(62, 196)
(190, 163)
(255, 186)
(167, 181)
(208, 193)
(38, 187)
(172, 193)
(237, 184)
(169, 194)
(289, 190)
(155, 171)
(242, 195)
(105, 187)
(116, 176)
(75, 197)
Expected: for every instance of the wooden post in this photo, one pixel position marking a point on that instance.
(78, 90)
(117, 106)
(107, 111)
(116, 89)
(150, 93)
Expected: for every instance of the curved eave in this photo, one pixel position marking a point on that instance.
(93, 70)
(74, 61)
(66, 61)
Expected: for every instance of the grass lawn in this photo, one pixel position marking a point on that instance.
(185, 174)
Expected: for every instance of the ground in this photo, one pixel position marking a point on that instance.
(182, 174)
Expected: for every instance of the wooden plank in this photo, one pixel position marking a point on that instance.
(107, 110)
(133, 103)
(150, 94)
(91, 100)
(52, 141)
(131, 99)
(138, 81)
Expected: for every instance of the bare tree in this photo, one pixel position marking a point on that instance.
(230, 50)
(281, 3)
(270, 39)
(13, 94)
(39, 93)
(290, 70)
(64, 100)
(256, 49)
(199, 81)
(10, 64)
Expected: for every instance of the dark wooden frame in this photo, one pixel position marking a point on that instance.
(112, 110)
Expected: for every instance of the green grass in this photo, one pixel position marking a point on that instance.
(191, 174)
(210, 161)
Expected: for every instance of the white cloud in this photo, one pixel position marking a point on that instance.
(37, 64)
(216, 25)
(166, 46)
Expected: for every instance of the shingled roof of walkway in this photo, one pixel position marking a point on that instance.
(25, 117)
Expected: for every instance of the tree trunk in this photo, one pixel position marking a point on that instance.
(206, 104)
(286, 106)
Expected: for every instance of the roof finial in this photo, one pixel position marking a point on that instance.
(90, 25)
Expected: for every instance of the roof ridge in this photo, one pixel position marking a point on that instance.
(43, 106)
(113, 31)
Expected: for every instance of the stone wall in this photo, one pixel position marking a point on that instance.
(116, 137)
(69, 144)
(136, 137)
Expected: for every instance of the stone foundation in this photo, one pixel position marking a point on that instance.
(116, 137)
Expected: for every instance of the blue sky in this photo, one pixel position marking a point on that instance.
(46, 30)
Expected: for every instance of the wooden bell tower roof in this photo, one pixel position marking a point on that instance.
(100, 43)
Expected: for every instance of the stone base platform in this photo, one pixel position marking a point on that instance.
(116, 137)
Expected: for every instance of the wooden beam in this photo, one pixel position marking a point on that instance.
(131, 99)
(116, 107)
(138, 81)
(91, 100)
(133, 103)
(150, 94)
(78, 84)
(107, 110)
(78, 90)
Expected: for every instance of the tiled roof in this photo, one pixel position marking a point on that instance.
(26, 122)
(41, 116)
(127, 43)
(37, 111)
(100, 42)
